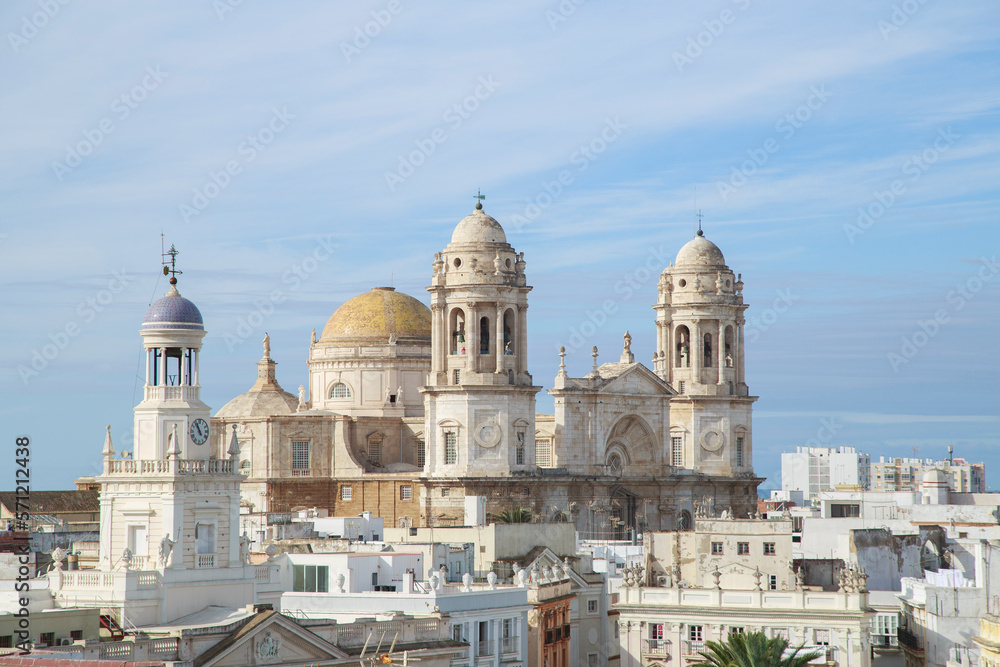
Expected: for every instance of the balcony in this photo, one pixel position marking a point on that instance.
(175, 393)
(203, 561)
(693, 648)
(171, 467)
(908, 640)
(485, 648)
(657, 647)
(509, 645)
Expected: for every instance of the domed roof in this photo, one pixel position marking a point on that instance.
(700, 251)
(478, 228)
(374, 317)
(173, 311)
(256, 403)
(935, 476)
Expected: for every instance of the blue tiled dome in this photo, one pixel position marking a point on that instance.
(173, 312)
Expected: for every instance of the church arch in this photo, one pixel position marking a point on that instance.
(339, 390)
(682, 358)
(634, 438)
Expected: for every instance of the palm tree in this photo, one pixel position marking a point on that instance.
(514, 515)
(753, 649)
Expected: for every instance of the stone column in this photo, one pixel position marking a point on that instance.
(439, 331)
(163, 366)
(195, 358)
(696, 350)
(499, 344)
(183, 370)
(471, 336)
(721, 346)
(149, 364)
(739, 361)
(522, 338)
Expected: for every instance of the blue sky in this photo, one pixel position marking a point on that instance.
(844, 156)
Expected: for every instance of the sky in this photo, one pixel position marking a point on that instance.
(844, 157)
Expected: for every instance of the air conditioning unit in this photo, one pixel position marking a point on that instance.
(65, 641)
(661, 581)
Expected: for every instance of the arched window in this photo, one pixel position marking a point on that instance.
(682, 359)
(340, 390)
(708, 351)
(244, 465)
(484, 335)
(615, 462)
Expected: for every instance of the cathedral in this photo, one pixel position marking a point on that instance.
(410, 410)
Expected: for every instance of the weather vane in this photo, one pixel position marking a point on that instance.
(170, 270)
(479, 198)
(699, 216)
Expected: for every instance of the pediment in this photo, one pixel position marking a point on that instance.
(635, 379)
(270, 639)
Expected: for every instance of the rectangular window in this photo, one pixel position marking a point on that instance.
(768, 548)
(450, 448)
(717, 548)
(456, 632)
(47, 638)
(841, 510)
(695, 633)
(445, 491)
(310, 579)
(76, 635)
(421, 454)
(138, 543)
(739, 452)
(406, 492)
(375, 452)
(677, 452)
(6, 641)
(772, 582)
(543, 453)
(821, 637)
(345, 492)
(300, 455)
(736, 630)
(779, 633)
(519, 449)
(743, 548)
(456, 376)
(680, 387)
(204, 538)
(591, 660)
(591, 606)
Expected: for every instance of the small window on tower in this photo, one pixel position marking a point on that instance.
(340, 390)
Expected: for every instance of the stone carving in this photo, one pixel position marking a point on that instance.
(497, 264)
(267, 346)
(269, 648)
(166, 548)
(244, 549)
(127, 558)
(719, 283)
(312, 339)
(302, 398)
(399, 395)
(491, 579)
(467, 582)
(339, 581)
(717, 576)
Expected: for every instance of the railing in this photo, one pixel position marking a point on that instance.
(655, 646)
(351, 635)
(163, 647)
(908, 639)
(117, 651)
(148, 578)
(485, 647)
(693, 647)
(204, 560)
(177, 393)
(302, 472)
(510, 645)
(262, 573)
(164, 466)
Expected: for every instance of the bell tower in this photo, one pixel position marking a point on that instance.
(699, 351)
(480, 401)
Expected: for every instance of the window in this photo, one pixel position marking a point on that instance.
(680, 387)
(345, 492)
(456, 632)
(779, 633)
(739, 451)
(768, 548)
(450, 448)
(445, 491)
(300, 455)
(717, 548)
(772, 582)
(421, 453)
(6, 641)
(614, 463)
(456, 376)
(842, 510)
(76, 635)
(47, 638)
(695, 633)
(519, 449)
(591, 660)
(743, 548)
(736, 631)
(310, 579)
(677, 452)
(375, 451)
(591, 606)
(137, 542)
(406, 492)
(204, 538)
(244, 465)
(543, 453)
(890, 477)
(821, 637)
(340, 390)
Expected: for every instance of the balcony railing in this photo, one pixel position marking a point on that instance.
(693, 647)
(204, 560)
(655, 646)
(908, 639)
(510, 645)
(485, 647)
(167, 466)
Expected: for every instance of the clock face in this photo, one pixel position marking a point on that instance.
(199, 431)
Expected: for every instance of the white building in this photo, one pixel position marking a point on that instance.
(907, 474)
(815, 469)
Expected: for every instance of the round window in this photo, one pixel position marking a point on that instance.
(458, 262)
(682, 282)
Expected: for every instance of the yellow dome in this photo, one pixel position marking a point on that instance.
(373, 317)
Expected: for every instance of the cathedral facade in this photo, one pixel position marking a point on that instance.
(411, 410)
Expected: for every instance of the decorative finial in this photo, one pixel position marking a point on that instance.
(313, 339)
(170, 270)
(174, 449)
(267, 345)
(593, 353)
(562, 361)
(479, 200)
(699, 216)
(109, 450)
(627, 356)
(234, 446)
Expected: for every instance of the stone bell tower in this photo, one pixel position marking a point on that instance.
(699, 333)
(479, 400)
